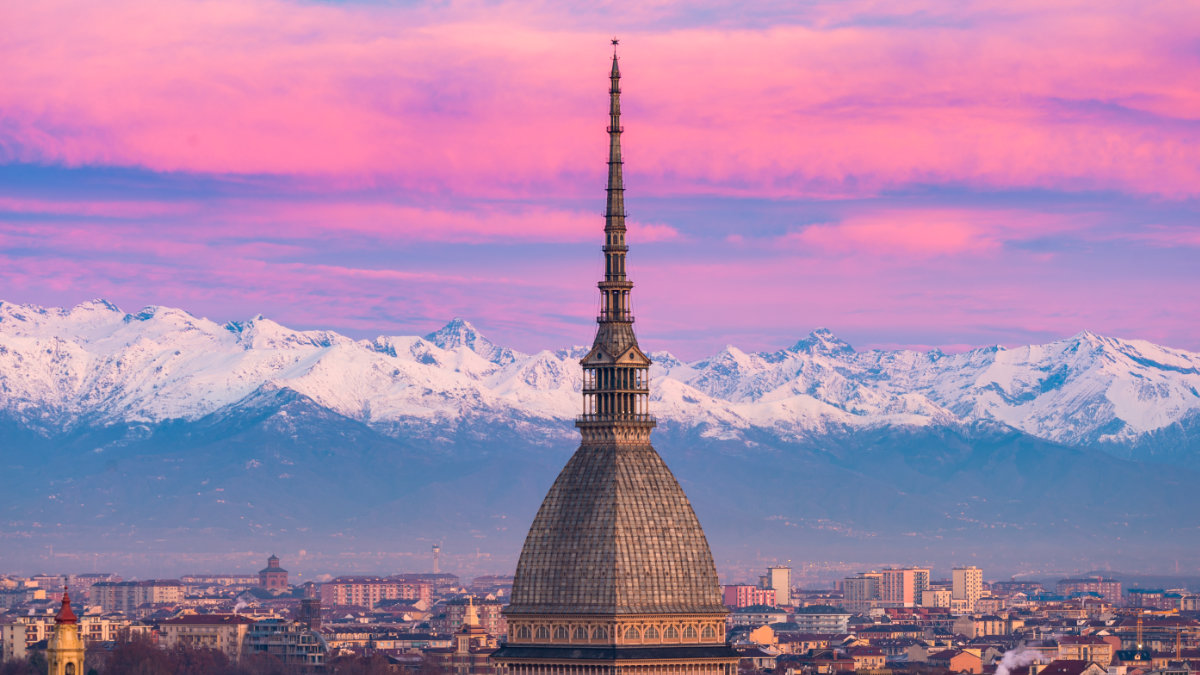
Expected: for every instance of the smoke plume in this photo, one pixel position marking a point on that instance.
(1017, 659)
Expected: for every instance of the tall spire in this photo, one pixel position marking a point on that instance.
(616, 386)
(614, 214)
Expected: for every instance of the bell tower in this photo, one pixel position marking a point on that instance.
(64, 651)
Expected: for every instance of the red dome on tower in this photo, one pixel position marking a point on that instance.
(65, 615)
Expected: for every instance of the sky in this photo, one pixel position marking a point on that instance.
(908, 173)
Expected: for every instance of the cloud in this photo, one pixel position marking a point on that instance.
(931, 232)
(490, 100)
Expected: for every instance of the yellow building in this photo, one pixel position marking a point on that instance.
(64, 651)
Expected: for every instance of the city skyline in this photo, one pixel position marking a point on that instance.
(923, 175)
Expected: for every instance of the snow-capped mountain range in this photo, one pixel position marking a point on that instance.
(97, 365)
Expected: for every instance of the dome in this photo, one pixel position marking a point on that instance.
(616, 535)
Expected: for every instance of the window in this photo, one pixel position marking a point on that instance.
(670, 633)
(631, 633)
(543, 633)
(523, 633)
(651, 633)
(580, 633)
(599, 633)
(70, 668)
(560, 633)
(709, 633)
(689, 633)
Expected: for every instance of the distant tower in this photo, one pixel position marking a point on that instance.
(437, 559)
(64, 651)
(309, 613)
(273, 577)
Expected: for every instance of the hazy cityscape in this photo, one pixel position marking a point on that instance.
(898, 619)
(989, 466)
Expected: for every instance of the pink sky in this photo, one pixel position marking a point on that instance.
(908, 173)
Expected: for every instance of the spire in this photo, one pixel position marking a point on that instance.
(616, 373)
(65, 615)
(614, 214)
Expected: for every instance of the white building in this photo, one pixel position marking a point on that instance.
(779, 578)
(966, 587)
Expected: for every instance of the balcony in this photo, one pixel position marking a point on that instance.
(624, 418)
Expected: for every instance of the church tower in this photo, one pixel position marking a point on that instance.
(616, 576)
(64, 651)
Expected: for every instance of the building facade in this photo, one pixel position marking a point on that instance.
(370, 591)
(966, 587)
(292, 642)
(936, 597)
(616, 576)
(903, 587)
(1109, 589)
(862, 591)
(126, 596)
(745, 595)
(821, 619)
(222, 632)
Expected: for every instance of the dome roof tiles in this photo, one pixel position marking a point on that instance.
(616, 535)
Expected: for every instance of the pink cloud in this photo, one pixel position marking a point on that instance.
(242, 218)
(931, 232)
(494, 101)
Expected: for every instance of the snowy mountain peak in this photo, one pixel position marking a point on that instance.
(263, 333)
(96, 304)
(457, 333)
(460, 333)
(822, 341)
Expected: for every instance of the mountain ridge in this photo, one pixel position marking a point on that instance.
(96, 364)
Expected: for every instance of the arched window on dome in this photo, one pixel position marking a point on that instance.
(560, 633)
(651, 633)
(631, 633)
(599, 633)
(523, 632)
(70, 669)
(542, 633)
(580, 634)
(689, 633)
(709, 633)
(670, 633)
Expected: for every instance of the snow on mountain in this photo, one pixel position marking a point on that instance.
(94, 364)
